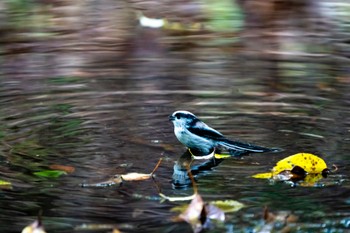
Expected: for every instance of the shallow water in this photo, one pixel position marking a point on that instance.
(107, 118)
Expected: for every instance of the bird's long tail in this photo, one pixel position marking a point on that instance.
(238, 148)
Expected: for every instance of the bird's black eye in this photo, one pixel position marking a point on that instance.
(177, 116)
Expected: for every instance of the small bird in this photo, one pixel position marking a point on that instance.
(203, 140)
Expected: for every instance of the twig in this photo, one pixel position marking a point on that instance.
(156, 167)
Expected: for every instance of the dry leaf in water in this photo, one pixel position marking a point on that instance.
(35, 227)
(68, 169)
(118, 179)
(198, 214)
(193, 212)
(134, 176)
(276, 222)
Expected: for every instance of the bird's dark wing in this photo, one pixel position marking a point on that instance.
(203, 130)
(237, 146)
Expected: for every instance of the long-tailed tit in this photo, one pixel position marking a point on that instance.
(202, 140)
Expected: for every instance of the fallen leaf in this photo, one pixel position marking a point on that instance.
(193, 211)
(134, 176)
(5, 184)
(311, 179)
(266, 175)
(185, 198)
(228, 206)
(118, 179)
(309, 162)
(276, 222)
(68, 169)
(198, 214)
(35, 227)
(50, 173)
(302, 166)
(215, 213)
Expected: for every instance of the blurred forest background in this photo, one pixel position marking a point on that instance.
(278, 33)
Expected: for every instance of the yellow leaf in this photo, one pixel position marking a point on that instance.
(309, 162)
(179, 209)
(286, 168)
(228, 206)
(311, 179)
(35, 227)
(5, 183)
(115, 230)
(267, 175)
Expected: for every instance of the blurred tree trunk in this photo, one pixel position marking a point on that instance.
(289, 31)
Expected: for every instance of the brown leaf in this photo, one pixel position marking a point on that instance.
(214, 213)
(193, 211)
(134, 176)
(281, 218)
(68, 169)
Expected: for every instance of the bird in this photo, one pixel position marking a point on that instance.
(202, 140)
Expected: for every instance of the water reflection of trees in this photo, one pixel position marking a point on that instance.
(284, 46)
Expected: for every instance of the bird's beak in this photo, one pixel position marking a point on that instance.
(171, 118)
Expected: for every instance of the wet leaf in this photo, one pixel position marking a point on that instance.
(35, 227)
(50, 173)
(5, 184)
(193, 212)
(280, 221)
(266, 175)
(118, 179)
(298, 166)
(311, 179)
(198, 214)
(309, 162)
(228, 206)
(214, 213)
(68, 169)
(134, 176)
(185, 198)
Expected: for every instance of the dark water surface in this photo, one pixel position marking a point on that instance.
(109, 115)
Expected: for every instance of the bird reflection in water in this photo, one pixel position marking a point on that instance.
(185, 163)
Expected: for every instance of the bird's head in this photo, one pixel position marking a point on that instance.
(182, 118)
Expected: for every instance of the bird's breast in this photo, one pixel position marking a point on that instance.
(179, 132)
(191, 140)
